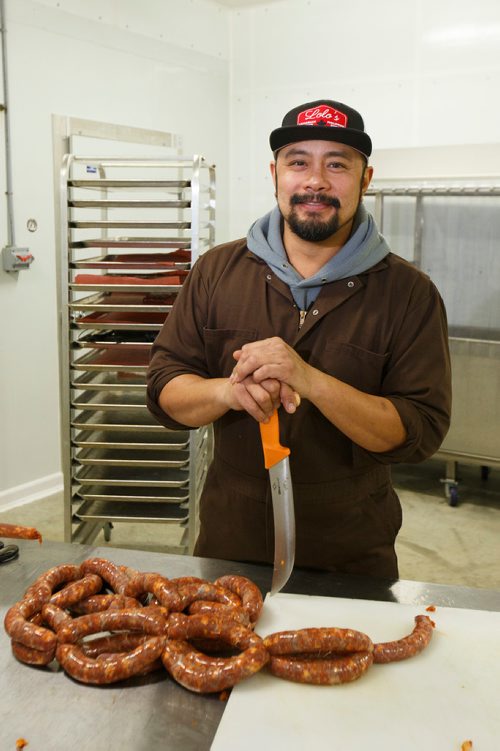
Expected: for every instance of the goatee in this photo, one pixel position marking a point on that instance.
(313, 229)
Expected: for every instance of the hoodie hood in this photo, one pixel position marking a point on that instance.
(365, 248)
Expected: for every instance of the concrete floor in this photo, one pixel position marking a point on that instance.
(437, 543)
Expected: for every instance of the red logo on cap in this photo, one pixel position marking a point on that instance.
(323, 116)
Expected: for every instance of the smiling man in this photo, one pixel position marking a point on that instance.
(311, 312)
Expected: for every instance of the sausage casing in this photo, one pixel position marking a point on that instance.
(402, 649)
(109, 668)
(321, 672)
(311, 640)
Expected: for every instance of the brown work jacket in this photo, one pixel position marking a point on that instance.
(383, 332)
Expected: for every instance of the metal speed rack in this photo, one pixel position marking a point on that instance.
(130, 230)
(449, 228)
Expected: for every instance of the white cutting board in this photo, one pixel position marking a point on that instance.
(435, 701)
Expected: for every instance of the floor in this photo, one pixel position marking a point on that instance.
(437, 543)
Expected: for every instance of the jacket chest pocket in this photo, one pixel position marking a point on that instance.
(220, 345)
(351, 364)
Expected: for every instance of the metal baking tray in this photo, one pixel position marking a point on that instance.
(161, 289)
(114, 358)
(121, 321)
(169, 440)
(109, 401)
(132, 476)
(120, 420)
(127, 495)
(109, 381)
(177, 259)
(116, 339)
(115, 301)
(126, 224)
(130, 512)
(126, 458)
(127, 183)
(132, 242)
(127, 203)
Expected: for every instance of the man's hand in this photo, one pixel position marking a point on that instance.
(258, 399)
(273, 358)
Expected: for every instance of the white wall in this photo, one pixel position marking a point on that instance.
(422, 73)
(159, 64)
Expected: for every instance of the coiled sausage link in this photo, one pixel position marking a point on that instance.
(205, 590)
(402, 649)
(108, 571)
(203, 674)
(321, 671)
(21, 630)
(146, 620)
(31, 656)
(121, 642)
(219, 610)
(70, 594)
(314, 640)
(109, 668)
(98, 603)
(163, 589)
(53, 578)
(247, 591)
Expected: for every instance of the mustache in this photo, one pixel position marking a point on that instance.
(315, 198)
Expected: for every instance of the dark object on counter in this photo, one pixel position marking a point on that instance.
(8, 552)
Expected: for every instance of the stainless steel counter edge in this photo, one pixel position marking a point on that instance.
(52, 711)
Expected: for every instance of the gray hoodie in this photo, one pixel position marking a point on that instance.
(365, 247)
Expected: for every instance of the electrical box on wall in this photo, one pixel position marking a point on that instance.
(16, 259)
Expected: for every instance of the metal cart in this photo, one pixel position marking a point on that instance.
(129, 231)
(451, 230)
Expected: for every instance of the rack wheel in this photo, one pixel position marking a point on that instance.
(453, 496)
(485, 472)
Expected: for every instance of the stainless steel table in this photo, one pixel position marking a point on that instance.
(51, 711)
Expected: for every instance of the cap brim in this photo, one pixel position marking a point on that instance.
(355, 138)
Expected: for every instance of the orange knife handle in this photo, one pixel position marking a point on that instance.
(274, 452)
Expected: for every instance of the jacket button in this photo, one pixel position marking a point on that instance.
(350, 284)
(269, 277)
(315, 312)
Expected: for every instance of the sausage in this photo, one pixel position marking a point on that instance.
(318, 640)
(146, 620)
(17, 621)
(393, 651)
(219, 610)
(247, 591)
(109, 668)
(54, 617)
(322, 656)
(163, 589)
(20, 533)
(122, 642)
(98, 603)
(21, 630)
(72, 593)
(53, 578)
(31, 656)
(204, 590)
(108, 571)
(204, 674)
(321, 671)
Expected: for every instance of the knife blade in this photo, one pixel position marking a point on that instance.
(277, 462)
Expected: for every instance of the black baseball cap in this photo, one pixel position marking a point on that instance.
(322, 120)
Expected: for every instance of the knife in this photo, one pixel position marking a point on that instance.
(276, 461)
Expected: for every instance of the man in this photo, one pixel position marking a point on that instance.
(314, 313)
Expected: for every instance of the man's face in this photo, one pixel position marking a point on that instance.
(319, 185)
